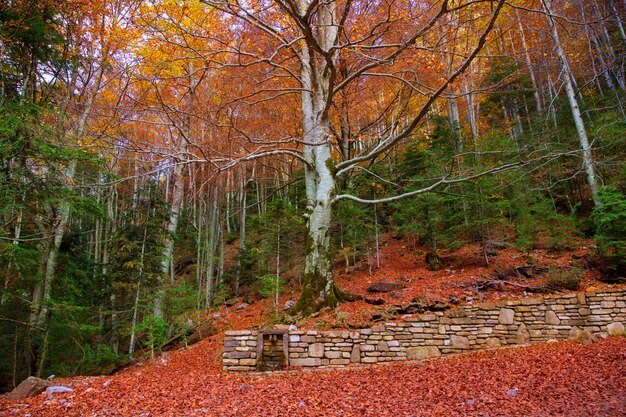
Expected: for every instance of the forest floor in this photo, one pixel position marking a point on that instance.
(403, 262)
(553, 379)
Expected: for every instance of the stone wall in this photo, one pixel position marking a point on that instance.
(530, 320)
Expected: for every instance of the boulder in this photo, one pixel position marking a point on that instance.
(29, 387)
(242, 306)
(289, 304)
(385, 286)
(615, 329)
(582, 336)
(341, 317)
(374, 301)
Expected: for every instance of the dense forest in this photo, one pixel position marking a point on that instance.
(160, 158)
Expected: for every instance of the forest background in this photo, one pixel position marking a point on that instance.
(161, 158)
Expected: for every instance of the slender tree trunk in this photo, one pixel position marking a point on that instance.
(529, 65)
(168, 249)
(135, 319)
(242, 234)
(588, 162)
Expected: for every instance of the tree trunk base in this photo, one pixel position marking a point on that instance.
(308, 304)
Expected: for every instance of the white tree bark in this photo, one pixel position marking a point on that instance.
(587, 157)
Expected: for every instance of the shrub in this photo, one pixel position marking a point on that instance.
(610, 222)
(152, 333)
(564, 280)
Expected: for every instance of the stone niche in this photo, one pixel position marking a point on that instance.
(272, 349)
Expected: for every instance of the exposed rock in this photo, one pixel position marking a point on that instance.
(289, 304)
(423, 304)
(615, 329)
(422, 352)
(242, 306)
(57, 389)
(231, 302)
(434, 261)
(453, 299)
(29, 387)
(374, 301)
(341, 317)
(385, 286)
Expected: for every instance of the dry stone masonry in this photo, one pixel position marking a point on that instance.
(518, 322)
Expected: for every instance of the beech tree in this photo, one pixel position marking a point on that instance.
(321, 49)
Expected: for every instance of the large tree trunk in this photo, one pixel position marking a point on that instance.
(317, 77)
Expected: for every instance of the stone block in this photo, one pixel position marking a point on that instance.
(237, 333)
(306, 362)
(368, 348)
(334, 354)
(316, 350)
(383, 346)
(493, 342)
(393, 343)
(239, 355)
(340, 361)
(522, 335)
(506, 316)
(422, 352)
(459, 342)
(552, 318)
